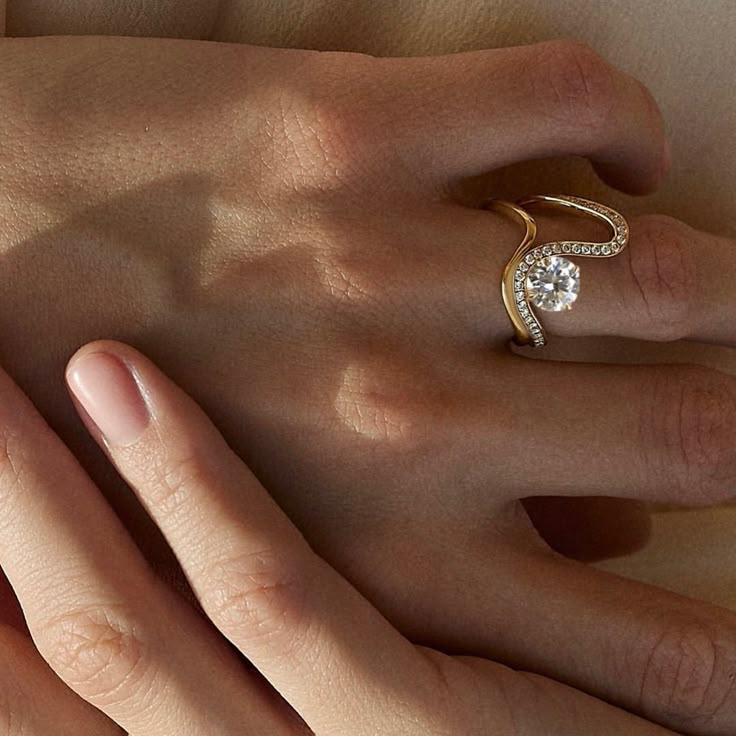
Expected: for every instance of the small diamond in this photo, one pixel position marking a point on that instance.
(586, 250)
(553, 284)
(576, 248)
(566, 247)
(530, 259)
(520, 297)
(606, 250)
(596, 250)
(556, 248)
(615, 247)
(547, 251)
(524, 267)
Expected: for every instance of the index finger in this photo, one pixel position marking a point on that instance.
(501, 106)
(330, 654)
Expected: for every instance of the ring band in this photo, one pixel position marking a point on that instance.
(542, 276)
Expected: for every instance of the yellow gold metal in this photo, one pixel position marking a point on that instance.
(521, 333)
(527, 327)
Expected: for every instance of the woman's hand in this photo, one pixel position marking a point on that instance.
(279, 230)
(121, 639)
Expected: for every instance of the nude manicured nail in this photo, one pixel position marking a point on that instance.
(105, 387)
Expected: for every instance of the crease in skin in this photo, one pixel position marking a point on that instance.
(344, 284)
(358, 407)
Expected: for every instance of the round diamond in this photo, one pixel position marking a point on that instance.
(553, 284)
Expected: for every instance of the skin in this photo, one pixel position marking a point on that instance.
(699, 191)
(374, 393)
(104, 621)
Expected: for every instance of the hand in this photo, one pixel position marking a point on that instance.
(134, 649)
(295, 257)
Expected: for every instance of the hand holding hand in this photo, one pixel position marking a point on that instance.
(142, 655)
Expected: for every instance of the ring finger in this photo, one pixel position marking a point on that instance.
(672, 282)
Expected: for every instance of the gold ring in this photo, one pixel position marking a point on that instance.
(542, 276)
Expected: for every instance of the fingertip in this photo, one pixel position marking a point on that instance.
(637, 178)
(111, 394)
(621, 176)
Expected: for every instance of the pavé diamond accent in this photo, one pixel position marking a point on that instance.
(549, 281)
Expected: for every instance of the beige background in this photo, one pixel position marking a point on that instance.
(683, 50)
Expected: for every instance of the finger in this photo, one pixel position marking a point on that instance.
(311, 635)
(539, 706)
(648, 432)
(493, 108)
(590, 529)
(666, 657)
(673, 282)
(35, 702)
(107, 626)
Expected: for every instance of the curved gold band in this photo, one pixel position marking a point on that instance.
(514, 288)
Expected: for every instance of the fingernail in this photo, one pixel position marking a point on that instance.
(104, 385)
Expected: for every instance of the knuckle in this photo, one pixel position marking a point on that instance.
(664, 269)
(256, 596)
(688, 673)
(176, 474)
(574, 85)
(98, 652)
(698, 412)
